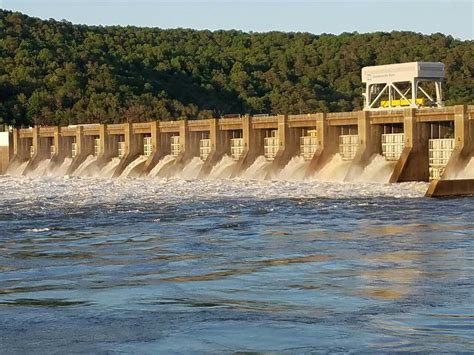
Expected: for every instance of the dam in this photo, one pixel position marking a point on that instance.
(398, 139)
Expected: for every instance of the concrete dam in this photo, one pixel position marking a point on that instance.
(398, 138)
(396, 146)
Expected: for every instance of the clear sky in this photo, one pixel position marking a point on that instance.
(454, 17)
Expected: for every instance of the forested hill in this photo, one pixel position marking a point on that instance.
(58, 73)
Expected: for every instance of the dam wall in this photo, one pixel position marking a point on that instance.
(426, 144)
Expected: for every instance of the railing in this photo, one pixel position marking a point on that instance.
(175, 146)
(121, 149)
(147, 146)
(392, 145)
(270, 147)
(348, 145)
(236, 148)
(74, 150)
(204, 148)
(96, 146)
(440, 151)
(52, 151)
(309, 145)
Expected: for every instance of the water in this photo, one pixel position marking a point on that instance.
(140, 160)
(108, 170)
(60, 170)
(88, 167)
(467, 172)
(223, 169)
(161, 164)
(258, 170)
(295, 170)
(378, 170)
(41, 169)
(17, 169)
(335, 170)
(166, 265)
(191, 170)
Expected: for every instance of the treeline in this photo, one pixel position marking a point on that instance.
(55, 72)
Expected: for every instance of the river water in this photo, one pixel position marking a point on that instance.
(150, 264)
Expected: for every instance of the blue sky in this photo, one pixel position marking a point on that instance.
(445, 16)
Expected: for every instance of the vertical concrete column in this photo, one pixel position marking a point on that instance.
(40, 150)
(60, 146)
(83, 149)
(5, 150)
(328, 144)
(158, 149)
(413, 164)
(288, 141)
(253, 145)
(184, 141)
(370, 142)
(107, 147)
(463, 143)
(132, 148)
(220, 144)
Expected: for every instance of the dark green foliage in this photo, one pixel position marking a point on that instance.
(57, 73)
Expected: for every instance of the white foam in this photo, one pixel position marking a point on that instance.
(191, 170)
(41, 169)
(17, 169)
(86, 191)
(258, 170)
(87, 167)
(223, 169)
(379, 170)
(140, 160)
(295, 170)
(60, 170)
(161, 164)
(335, 170)
(467, 172)
(109, 169)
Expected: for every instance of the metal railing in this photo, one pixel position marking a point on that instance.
(175, 146)
(348, 145)
(121, 149)
(74, 150)
(204, 148)
(147, 146)
(392, 145)
(440, 151)
(309, 145)
(96, 146)
(270, 147)
(236, 148)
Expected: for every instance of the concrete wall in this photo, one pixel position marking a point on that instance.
(413, 164)
(253, 145)
(370, 143)
(133, 148)
(289, 145)
(328, 141)
(6, 150)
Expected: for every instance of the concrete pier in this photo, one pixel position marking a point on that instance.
(133, 147)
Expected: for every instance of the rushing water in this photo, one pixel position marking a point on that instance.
(145, 265)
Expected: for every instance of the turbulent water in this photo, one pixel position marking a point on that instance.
(146, 265)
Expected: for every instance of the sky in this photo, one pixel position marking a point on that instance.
(450, 17)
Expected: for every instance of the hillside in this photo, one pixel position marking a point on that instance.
(58, 73)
